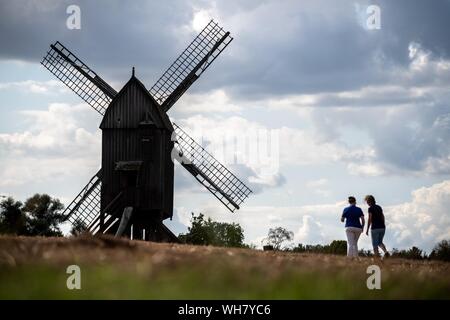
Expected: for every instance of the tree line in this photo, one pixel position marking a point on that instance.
(41, 215)
(277, 236)
(440, 252)
(208, 232)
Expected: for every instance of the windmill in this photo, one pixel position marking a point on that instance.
(132, 193)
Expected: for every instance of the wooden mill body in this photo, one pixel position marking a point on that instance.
(137, 169)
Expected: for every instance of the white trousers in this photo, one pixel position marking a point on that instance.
(352, 240)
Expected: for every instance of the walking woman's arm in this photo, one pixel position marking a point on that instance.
(369, 223)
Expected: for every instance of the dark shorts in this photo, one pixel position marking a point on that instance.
(377, 237)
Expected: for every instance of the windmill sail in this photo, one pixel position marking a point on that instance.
(78, 77)
(223, 184)
(86, 205)
(191, 63)
(195, 59)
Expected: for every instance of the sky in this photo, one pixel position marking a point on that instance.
(324, 104)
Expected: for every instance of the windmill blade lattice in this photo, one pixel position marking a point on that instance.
(220, 181)
(86, 205)
(78, 77)
(192, 62)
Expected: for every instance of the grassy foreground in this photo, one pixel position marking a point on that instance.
(35, 268)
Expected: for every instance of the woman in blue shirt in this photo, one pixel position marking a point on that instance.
(376, 221)
(354, 225)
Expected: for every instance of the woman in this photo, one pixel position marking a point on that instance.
(376, 221)
(354, 226)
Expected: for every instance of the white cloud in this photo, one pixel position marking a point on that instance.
(319, 186)
(57, 144)
(236, 143)
(236, 140)
(401, 124)
(36, 87)
(419, 58)
(317, 183)
(365, 169)
(310, 231)
(184, 215)
(201, 19)
(423, 221)
(210, 102)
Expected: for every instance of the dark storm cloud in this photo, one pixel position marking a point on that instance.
(425, 22)
(413, 142)
(114, 35)
(411, 138)
(279, 48)
(316, 46)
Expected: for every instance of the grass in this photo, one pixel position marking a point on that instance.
(35, 268)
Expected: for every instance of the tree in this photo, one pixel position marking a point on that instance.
(12, 219)
(412, 253)
(78, 227)
(197, 232)
(44, 215)
(335, 247)
(338, 247)
(277, 236)
(365, 253)
(227, 234)
(209, 232)
(441, 251)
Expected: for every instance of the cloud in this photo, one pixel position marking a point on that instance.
(36, 87)
(319, 186)
(56, 145)
(258, 155)
(401, 126)
(279, 49)
(210, 102)
(202, 17)
(183, 216)
(315, 59)
(235, 143)
(365, 169)
(423, 221)
(310, 231)
(241, 145)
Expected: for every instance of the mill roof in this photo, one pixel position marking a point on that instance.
(132, 105)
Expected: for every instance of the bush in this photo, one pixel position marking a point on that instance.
(44, 214)
(39, 216)
(335, 247)
(441, 251)
(12, 219)
(78, 228)
(338, 247)
(208, 232)
(412, 253)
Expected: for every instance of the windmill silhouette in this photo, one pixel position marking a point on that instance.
(132, 193)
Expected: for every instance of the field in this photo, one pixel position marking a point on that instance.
(35, 268)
